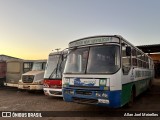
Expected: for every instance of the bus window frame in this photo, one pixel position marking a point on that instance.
(124, 44)
(104, 44)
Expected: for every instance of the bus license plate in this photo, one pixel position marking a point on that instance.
(103, 101)
(26, 86)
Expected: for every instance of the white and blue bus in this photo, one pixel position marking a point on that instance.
(105, 70)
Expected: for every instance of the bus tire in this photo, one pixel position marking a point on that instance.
(150, 85)
(2, 82)
(131, 101)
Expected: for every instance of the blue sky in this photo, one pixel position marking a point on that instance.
(31, 29)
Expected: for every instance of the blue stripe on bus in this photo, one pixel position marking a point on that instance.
(114, 97)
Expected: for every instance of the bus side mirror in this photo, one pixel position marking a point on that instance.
(128, 51)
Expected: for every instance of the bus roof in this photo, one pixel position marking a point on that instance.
(19, 60)
(58, 53)
(81, 41)
(93, 40)
(45, 60)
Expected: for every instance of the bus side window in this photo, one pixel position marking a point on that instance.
(126, 60)
(134, 57)
(27, 66)
(44, 65)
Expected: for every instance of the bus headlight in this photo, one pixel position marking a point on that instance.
(20, 81)
(66, 81)
(72, 92)
(102, 82)
(69, 92)
(64, 85)
(40, 82)
(98, 94)
(66, 91)
(45, 85)
(104, 95)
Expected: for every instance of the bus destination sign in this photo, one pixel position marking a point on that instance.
(95, 40)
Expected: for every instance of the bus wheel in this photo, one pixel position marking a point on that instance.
(150, 85)
(131, 101)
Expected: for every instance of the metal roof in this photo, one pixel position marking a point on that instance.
(6, 57)
(150, 48)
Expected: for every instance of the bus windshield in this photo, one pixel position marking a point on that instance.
(96, 59)
(38, 66)
(55, 67)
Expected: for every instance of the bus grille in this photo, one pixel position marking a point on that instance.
(27, 78)
(83, 92)
(85, 100)
(56, 92)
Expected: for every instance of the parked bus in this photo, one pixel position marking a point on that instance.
(15, 68)
(53, 74)
(33, 80)
(2, 72)
(105, 70)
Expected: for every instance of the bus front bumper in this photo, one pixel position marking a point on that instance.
(53, 92)
(11, 85)
(30, 87)
(113, 98)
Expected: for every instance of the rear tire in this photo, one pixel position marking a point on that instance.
(131, 101)
(1, 82)
(150, 85)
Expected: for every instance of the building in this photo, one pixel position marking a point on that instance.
(6, 57)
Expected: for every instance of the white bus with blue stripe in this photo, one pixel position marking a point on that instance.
(105, 70)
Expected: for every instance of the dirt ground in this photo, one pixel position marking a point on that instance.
(12, 99)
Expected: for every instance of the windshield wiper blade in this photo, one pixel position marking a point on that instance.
(52, 73)
(55, 70)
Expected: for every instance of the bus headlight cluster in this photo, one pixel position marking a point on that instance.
(98, 94)
(69, 92)
(20, 81)
(64, 85)
(72, 92)
(66, 81)
(56, 86)
(104, 95)
(40, 82)
(45, 85)
(102, 82)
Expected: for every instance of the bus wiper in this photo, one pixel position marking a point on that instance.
(52, 73)
(55, 70)
(59, 64)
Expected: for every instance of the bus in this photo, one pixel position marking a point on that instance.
(53, 74)
(106, 70)
(33, 80)
(2, 73)
(15, 68)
